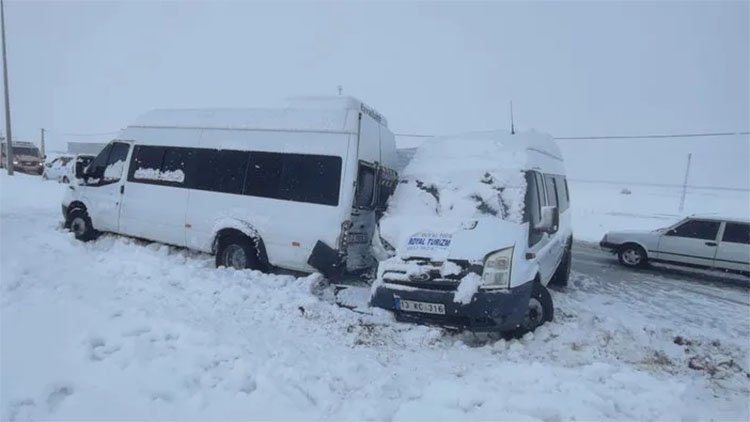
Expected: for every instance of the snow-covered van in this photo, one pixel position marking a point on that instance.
(480, 225)
(298, 187)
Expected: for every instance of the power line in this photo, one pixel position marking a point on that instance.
(85, 134)
(673, 135)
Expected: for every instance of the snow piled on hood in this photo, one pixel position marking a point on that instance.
(477, 175)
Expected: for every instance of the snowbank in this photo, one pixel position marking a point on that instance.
(123, 329)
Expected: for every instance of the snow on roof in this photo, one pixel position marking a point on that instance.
(490, 150)
(319, 114)
(468, 176)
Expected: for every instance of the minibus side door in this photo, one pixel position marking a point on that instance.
(103, 186)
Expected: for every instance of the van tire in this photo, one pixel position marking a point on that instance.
(632, 256)
(235, 250)
(541, 310)
(562, 273)
(79, 223)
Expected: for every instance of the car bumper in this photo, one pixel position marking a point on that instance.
(488, 311)
(29, 168)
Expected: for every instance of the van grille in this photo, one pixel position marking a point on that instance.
(430, 276)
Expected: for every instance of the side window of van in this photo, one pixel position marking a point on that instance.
(146, 162)
(159, 165)
(108, 166)
(549, 182)
(311, 178)
(561, 186)
(97, 166)
(220, 170)
(533, 206)
(294, 177)
(264, 174)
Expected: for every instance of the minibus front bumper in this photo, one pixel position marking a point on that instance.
(488, 311)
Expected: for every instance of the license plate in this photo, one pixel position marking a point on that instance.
(423, 307)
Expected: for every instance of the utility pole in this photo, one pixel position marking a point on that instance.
(684, 183)
(44, 154)
(512, 125)
(8, 136)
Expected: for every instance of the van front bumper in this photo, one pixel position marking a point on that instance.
(489, 310)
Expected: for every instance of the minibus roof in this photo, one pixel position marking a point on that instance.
(308, 114)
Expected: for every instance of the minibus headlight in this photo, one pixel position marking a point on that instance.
(497, 267)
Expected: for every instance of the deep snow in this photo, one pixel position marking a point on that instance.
(125, 329)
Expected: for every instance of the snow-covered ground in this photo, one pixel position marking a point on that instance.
(124, 329)
(600, 207)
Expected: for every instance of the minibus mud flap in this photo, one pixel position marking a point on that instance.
(326, 260)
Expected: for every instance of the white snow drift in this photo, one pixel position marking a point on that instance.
(122, 329)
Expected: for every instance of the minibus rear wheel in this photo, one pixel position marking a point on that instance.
(235, 250)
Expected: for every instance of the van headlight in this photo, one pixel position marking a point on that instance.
(497, 266)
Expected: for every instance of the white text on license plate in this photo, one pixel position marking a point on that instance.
(424, 307)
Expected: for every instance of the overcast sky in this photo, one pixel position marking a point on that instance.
(571, 68)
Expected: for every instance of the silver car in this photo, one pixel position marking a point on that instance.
(699, 241)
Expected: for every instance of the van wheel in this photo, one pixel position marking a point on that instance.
(236, 251)
(540, 310)
(562, 274)
(633, 256)
(80, 224)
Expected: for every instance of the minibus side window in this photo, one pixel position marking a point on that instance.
(551, 191)
(221, 170)
(264, 174)
(311, 178)
(96, 168)
(108, 166)
(561, 186)
(533, 206)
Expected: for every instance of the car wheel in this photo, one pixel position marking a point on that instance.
(80, 224)
(632, 256)
(65, 179)
(540, 310)
(236, 251)
(562, 274)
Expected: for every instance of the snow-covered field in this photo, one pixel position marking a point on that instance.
(600, 207)
(124, 329)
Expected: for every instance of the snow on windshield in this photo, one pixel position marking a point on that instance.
(471, 176)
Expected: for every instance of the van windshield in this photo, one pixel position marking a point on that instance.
(25, 151)
(458, 179)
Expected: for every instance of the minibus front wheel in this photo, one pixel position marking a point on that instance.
(79, 223)
(540, 310)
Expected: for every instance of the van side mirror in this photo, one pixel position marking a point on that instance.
(550, 220)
